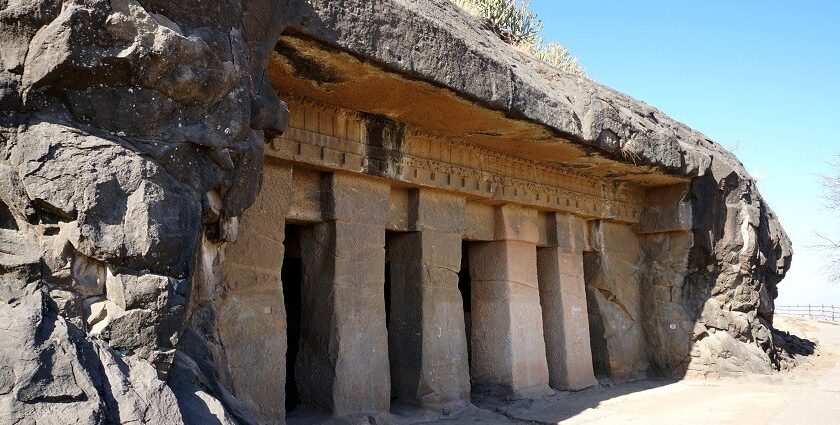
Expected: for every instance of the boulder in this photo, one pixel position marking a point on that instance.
(116, 119)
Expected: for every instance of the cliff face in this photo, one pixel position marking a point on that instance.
(131, 140)
(723, 281)
(129, 130)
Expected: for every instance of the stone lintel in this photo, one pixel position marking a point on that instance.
(398, 210)
(355, 199)
(513, 222)
(306, 196)
(480, 221)
(437, 211)
(507, 343)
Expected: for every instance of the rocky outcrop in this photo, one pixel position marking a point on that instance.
(129, 131)
(131, 140)
(728, 273)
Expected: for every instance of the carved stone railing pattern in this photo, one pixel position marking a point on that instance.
(332, 138)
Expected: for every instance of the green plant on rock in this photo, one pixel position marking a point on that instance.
(517, 25)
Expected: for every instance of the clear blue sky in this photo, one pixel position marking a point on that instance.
(760, 77)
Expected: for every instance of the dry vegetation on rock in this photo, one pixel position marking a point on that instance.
(517, 25)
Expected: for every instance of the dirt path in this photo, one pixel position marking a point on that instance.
(818, 402)
(810, 394)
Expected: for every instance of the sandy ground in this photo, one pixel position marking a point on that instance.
(809, 394)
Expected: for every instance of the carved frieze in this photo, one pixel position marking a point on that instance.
(330, 138)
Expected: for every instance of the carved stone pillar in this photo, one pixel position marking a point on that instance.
(508, 348)
(563, 300)
(342, 365)
(251, 316)
(428, 344)
(613, 287)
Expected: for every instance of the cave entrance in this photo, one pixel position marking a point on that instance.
(388, 254)
(465, 286)
(597, 338)
(292, 278)
(395, 344)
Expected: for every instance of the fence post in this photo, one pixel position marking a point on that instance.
(809, 310)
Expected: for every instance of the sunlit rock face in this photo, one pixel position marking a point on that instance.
(435, 213)
(131, 131)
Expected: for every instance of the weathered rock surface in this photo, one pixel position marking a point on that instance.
(131, 140)
(739, 252)
(128, 129)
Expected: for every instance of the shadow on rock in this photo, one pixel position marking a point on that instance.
(791, 347)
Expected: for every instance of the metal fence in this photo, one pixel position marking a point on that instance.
(821, 311)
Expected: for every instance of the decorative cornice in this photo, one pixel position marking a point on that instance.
(332, 138)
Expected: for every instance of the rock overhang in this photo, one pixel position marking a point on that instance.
(711, 251)
(430, 65)
(305, 68)
(477, 87)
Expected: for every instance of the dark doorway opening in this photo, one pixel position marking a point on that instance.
(597, 339)
(292, 277)
(392, 290)
(464, 286)
(387, 292)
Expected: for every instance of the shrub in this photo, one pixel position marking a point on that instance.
(518, 26)
(514, 24)
(557, 56)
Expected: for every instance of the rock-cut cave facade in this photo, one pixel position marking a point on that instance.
(228, 210)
